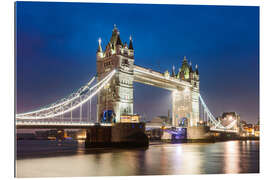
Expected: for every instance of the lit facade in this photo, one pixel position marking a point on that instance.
(257, 130)
(185, 99)
(228, 117)
(118, 94)
(129, 118)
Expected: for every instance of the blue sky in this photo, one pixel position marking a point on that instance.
(56, 46)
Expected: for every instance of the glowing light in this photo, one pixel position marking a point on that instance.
(186, 90)
(61, 103)
(232, 157)
(215, 122)
(48, 115)
(161, 76)
(38, 123)
(65, 102)
(99, 41)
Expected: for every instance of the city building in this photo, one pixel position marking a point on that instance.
(227, 118)
(130, 118)
(156, 132)
(257, 130)
(248, 130)
(52, 134)
(158, 121)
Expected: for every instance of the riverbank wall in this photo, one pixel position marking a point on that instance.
(123, 135)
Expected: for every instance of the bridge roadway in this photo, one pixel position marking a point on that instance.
(63, 125)
(153, 78)
(83, 125)
(57, 125)
(211, 129)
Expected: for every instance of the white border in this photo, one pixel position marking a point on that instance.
(7, 86)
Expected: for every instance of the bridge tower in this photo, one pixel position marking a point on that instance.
(117, 96)
(185, 100)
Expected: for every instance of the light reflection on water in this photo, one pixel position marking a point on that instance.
(191, 158)
(231, 157)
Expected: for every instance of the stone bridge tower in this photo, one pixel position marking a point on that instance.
(185, 105)
(117, 96)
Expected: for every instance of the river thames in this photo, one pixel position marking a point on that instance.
(37, 158)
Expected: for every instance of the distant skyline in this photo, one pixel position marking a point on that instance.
(57, 42)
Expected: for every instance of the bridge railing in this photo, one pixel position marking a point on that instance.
(84, 95)
(217, 126)
(153, 73)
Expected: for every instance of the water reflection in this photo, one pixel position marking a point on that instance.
(194, 158)
(231, 157)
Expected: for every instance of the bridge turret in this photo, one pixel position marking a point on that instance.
(197, 77)
(130, 43)
(167, 74)
(99, 50)
(173, 71)
(191, 72)
(118, 44)
(130, 47)
(184, 74)
(125, 45)
(178, 76)
(117, 98)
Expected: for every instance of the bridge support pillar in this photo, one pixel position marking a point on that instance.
(129, 135)
(181, 107)
(118, 135)
(198, 133)
(166, 136)
(185, 105)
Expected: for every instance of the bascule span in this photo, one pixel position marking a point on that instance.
(157, 79)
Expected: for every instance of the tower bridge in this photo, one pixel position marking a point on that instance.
(118, 96)
(116, 73)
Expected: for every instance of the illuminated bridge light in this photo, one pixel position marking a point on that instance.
(84, 94)
(51, 114)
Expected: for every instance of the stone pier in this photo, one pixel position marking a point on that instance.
(118, 135)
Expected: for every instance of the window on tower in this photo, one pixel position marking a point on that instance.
(125, 62)
(108, 63)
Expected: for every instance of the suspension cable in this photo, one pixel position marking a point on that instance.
(50, 114)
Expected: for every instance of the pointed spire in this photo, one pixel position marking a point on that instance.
(167, 74)
(115, 34)
(115, 28)
(185, 65)
(197, 71)
(190, 67)
(185, 69)
(130, 43)
(179, 73)
(118, 42)
(173, 71)
(185, 59)
(99, 41)
(99, 45)
(125, 45)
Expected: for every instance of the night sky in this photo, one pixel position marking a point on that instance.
(57, 43)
